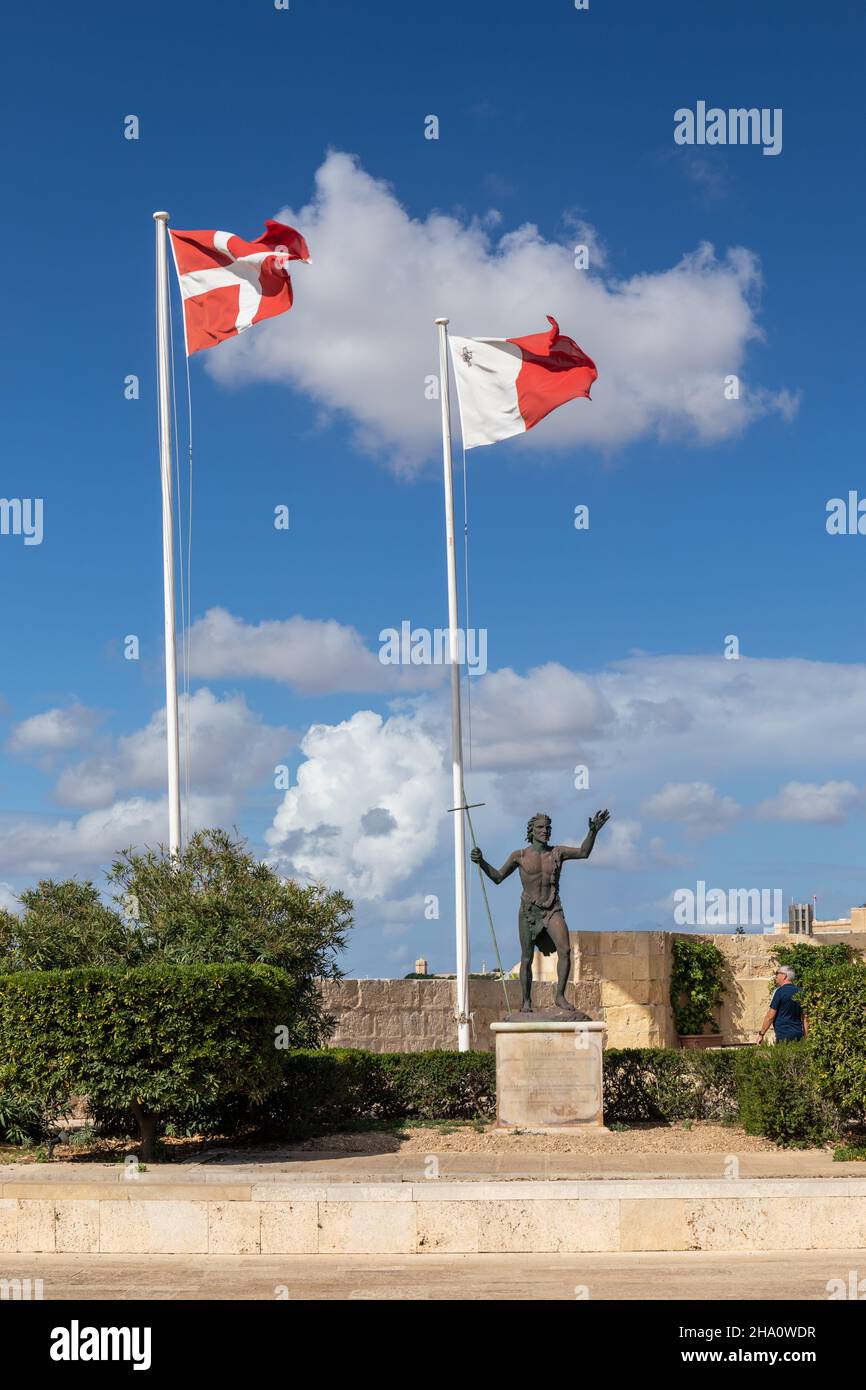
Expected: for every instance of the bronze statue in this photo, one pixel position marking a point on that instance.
(540, 921)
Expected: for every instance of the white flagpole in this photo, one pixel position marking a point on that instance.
(460, 914)
(171, 725)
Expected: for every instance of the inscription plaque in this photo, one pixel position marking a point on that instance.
(549, 1075)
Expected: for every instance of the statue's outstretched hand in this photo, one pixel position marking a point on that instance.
(476, 856)
(598, 820)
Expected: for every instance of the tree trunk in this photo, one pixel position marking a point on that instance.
(147, 1132)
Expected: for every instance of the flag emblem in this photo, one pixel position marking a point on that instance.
(515, 382)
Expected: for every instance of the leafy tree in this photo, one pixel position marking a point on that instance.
(215, 903)
(152, 1040)
(63, 925)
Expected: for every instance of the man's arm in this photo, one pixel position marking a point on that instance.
(585, 850)
(496, 875)
(768, 1021)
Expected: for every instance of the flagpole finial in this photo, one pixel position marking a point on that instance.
(161, 216)
(441, 320)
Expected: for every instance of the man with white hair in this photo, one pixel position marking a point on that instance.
(785, 1013)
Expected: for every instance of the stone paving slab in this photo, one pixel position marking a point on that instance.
(328, 1168)
(758, 1275)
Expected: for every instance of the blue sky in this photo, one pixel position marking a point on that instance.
(707, 517)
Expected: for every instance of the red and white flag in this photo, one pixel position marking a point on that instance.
(506, 385)
(228, 284)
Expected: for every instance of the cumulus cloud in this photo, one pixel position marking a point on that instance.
(53, 731)
(518, 720)
(367, 807)
(360, 339)
(671, 714)
(34, 846)
(313, 657)
(231, 748)
(824, 804)
(629, 723)
(618, 846)
(697, 804)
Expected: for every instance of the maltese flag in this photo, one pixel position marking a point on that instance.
(506, 385)
(228, 284)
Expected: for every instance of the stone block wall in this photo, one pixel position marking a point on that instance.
(618, 978)
(419, 1015)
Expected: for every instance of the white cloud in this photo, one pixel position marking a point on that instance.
(618, 846)
(518, 720)
(635, 724)
(31, 846)
(9, 899)
(324, 829)
(698, 804)
(667, 717)
(231, 748)
(360, 338)
(313, 657)
(826, 804)
(54, 731)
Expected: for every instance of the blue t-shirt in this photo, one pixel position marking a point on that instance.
(788, 1023)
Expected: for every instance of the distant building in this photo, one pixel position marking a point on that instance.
(801, 918)
(803, 922)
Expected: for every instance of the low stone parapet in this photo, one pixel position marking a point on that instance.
(478, 1217)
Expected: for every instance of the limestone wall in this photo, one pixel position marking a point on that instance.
(618, 978)
(419, 1015)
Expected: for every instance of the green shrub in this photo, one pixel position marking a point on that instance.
(778, 1095)
(340, 1088)
(657, 1083)
(834, 1000)
(22, 1119)
(63, 926)
(849, 1153)
(812, 960)
(697, 984)
(149, 1040)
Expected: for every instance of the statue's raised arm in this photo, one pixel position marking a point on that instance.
(585, 850)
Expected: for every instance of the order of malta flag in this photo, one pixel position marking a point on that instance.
(506, 385)
(228, 284)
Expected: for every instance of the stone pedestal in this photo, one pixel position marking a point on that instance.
(549, 1076)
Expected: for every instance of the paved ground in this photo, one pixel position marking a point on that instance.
(788, 1275)
(343, 1167)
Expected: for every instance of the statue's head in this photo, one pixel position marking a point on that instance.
(538, 828)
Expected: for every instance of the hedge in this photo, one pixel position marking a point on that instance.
(147, 1039)
(779, 1096)
(657, 1083)
(834, 1000)
(774, 1090)
(339, 1088)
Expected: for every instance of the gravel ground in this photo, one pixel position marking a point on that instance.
(450, 1137)
(700, 1137)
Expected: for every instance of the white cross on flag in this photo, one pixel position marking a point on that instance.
(228, 284)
